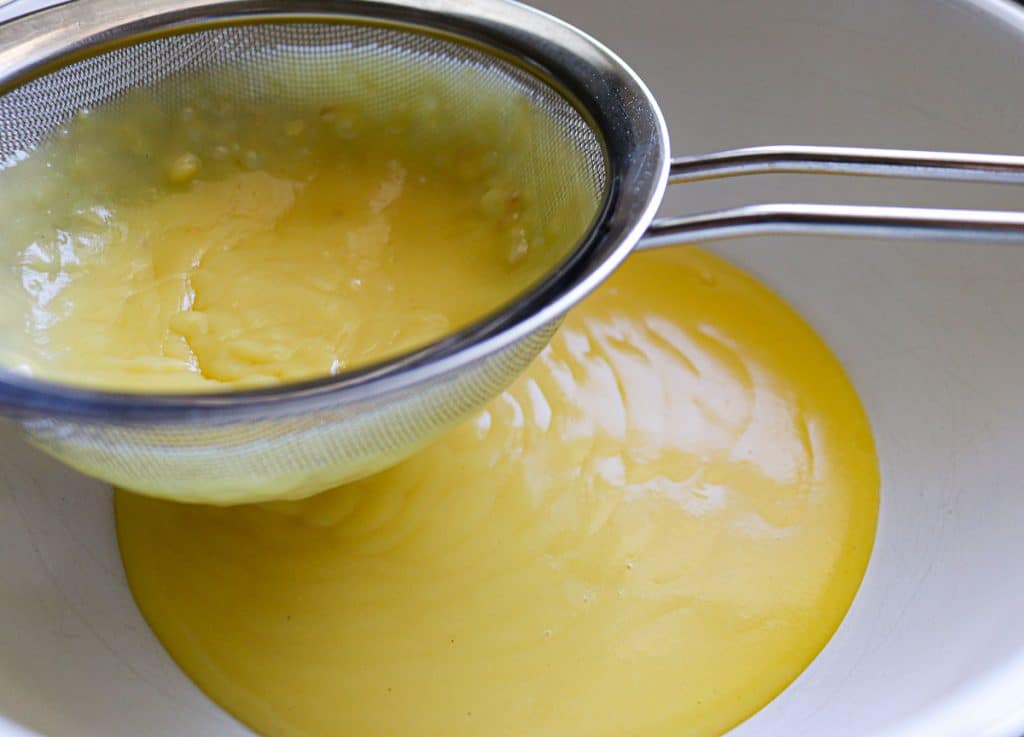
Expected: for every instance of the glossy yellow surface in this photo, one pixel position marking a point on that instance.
(649, 535)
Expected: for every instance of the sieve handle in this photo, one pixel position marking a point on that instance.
(843, 220)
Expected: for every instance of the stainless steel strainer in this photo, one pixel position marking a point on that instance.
(298, 439)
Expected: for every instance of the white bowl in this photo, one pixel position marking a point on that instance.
(931, 335)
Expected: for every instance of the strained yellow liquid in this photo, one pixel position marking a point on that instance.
(649, 535)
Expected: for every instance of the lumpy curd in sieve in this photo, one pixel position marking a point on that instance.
(230, 243)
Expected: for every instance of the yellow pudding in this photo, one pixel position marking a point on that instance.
(231, 242)
(650, 534)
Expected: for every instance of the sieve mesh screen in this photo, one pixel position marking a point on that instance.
(307, 64)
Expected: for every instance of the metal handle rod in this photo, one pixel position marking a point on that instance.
(838, 220)
(843, 220)
(877, 162)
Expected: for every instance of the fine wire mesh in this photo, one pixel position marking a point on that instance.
(286, 456)
(245, 57)
(296, 453)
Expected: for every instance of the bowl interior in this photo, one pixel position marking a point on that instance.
(930, 334)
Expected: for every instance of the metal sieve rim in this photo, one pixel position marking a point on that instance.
(609, 95)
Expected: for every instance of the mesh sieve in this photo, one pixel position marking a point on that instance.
(299, 439)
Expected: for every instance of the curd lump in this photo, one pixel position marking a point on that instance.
(183, 239)
(649, 535)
